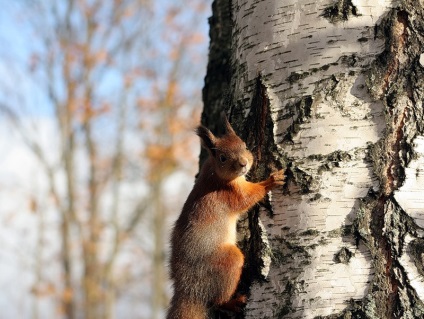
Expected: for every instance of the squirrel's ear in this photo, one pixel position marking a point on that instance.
(228, 128)
(207, 138)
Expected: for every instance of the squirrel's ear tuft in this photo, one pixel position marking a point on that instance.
(228, 128)
(207, 138)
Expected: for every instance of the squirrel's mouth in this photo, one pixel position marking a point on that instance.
(243, 171)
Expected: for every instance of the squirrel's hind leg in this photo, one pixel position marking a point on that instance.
(227, 266)
(186, 309)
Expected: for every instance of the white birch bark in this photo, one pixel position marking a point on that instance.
(343, 102)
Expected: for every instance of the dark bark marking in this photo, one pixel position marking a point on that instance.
(340, 11)
(390, 77)
(369, 226)
(296, 76)
(395, 171)
(259, 135)
(302, 179)
(343, 256)
(257, 120)
(300, 112)
(253, 253)
(416, 248)
(397, 46)
(382, 225)
(331, 160)
(377, 227)
(385, 71)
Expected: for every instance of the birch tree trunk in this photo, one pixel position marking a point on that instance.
(333, 90)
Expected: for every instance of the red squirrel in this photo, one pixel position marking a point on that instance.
(205, 262)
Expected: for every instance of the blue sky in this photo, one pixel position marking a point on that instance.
(19, 41)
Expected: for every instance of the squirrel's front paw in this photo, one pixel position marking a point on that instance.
(278, 178)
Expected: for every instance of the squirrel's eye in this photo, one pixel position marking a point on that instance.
(222, 158)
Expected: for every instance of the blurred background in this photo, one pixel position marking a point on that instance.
(98, 102)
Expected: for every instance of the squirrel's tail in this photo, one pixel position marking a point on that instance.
(186, 309)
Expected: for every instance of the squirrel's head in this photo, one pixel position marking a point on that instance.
(229, 153)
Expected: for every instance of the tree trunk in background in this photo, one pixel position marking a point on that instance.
(333, 91)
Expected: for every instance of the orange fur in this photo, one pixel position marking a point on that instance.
(206, 263)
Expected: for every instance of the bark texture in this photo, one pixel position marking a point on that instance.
(333, 90)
